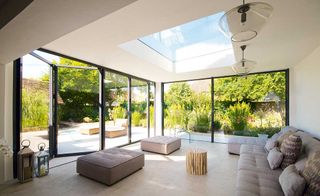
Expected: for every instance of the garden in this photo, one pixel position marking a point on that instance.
(245, 106)
(78, 98)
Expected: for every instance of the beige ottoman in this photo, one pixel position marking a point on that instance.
(110, 166)
(161, 144)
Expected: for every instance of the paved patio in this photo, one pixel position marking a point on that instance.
(71, 140)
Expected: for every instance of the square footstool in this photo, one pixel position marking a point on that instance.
(110, 166)
(161, 144)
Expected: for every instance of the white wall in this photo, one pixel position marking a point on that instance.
(6, 83)
(305, 95)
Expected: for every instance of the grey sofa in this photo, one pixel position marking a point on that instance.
(255, 177)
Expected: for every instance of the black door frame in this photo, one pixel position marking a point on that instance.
(287, 113)
(53, 125)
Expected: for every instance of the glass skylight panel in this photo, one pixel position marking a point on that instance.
(194, 39)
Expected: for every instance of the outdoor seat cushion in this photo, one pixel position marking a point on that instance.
(252, 149)
(110, 166)
(161, 144)
(253, 183)
(256, 163)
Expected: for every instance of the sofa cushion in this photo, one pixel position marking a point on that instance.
(285, 135)
(291, 182)
(300, 163)
(257, 163)
(275, 158)
(252, 149)
(311, 173)
(286, 129)
(290, 149)
(252, 183)
(234, 143)
(309, 144)
(272, 142)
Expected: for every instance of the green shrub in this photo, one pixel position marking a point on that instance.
(246, 133)
(77, 105)
(139, 106)
(176, 116)
(238, 115)
(200, 120)
(136, 117)
(227, 129)
(118, 112)
(87, 120)
(268, 130)
(217, 125)
(143, 122)
(151, 116)
(202, 123)
(35, 109)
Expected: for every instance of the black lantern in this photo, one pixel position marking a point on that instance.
(25, 162)
(41, 161)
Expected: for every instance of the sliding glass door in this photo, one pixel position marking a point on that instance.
(35, 102)
(61, 105)
(116, 95)
(187, 109)
(249, 106)
(78, 108)
(139, 110)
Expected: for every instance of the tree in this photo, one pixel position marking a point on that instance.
(179, 94)
(250, 88)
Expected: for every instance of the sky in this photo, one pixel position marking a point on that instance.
(34, 68)
(192, 39)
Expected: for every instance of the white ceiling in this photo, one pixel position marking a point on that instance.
(290, 34)
(46, 20)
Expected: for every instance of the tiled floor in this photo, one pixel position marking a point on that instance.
(162, 175)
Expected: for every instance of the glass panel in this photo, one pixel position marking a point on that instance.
(193, 39)
(152, 109)
(78, 108)
(116, 93)
(139, 97)
(199, 42)
(187, 109)
(249, 106)
(35, 101)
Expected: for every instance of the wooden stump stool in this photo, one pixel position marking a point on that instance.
(196, 162)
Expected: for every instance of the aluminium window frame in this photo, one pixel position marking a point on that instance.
(287, 93)
(53, 130)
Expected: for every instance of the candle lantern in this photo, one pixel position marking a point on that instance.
(41, 161)
(25, 162)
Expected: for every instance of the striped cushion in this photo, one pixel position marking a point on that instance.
(311, 173)
(290, 148)
(283, 136)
